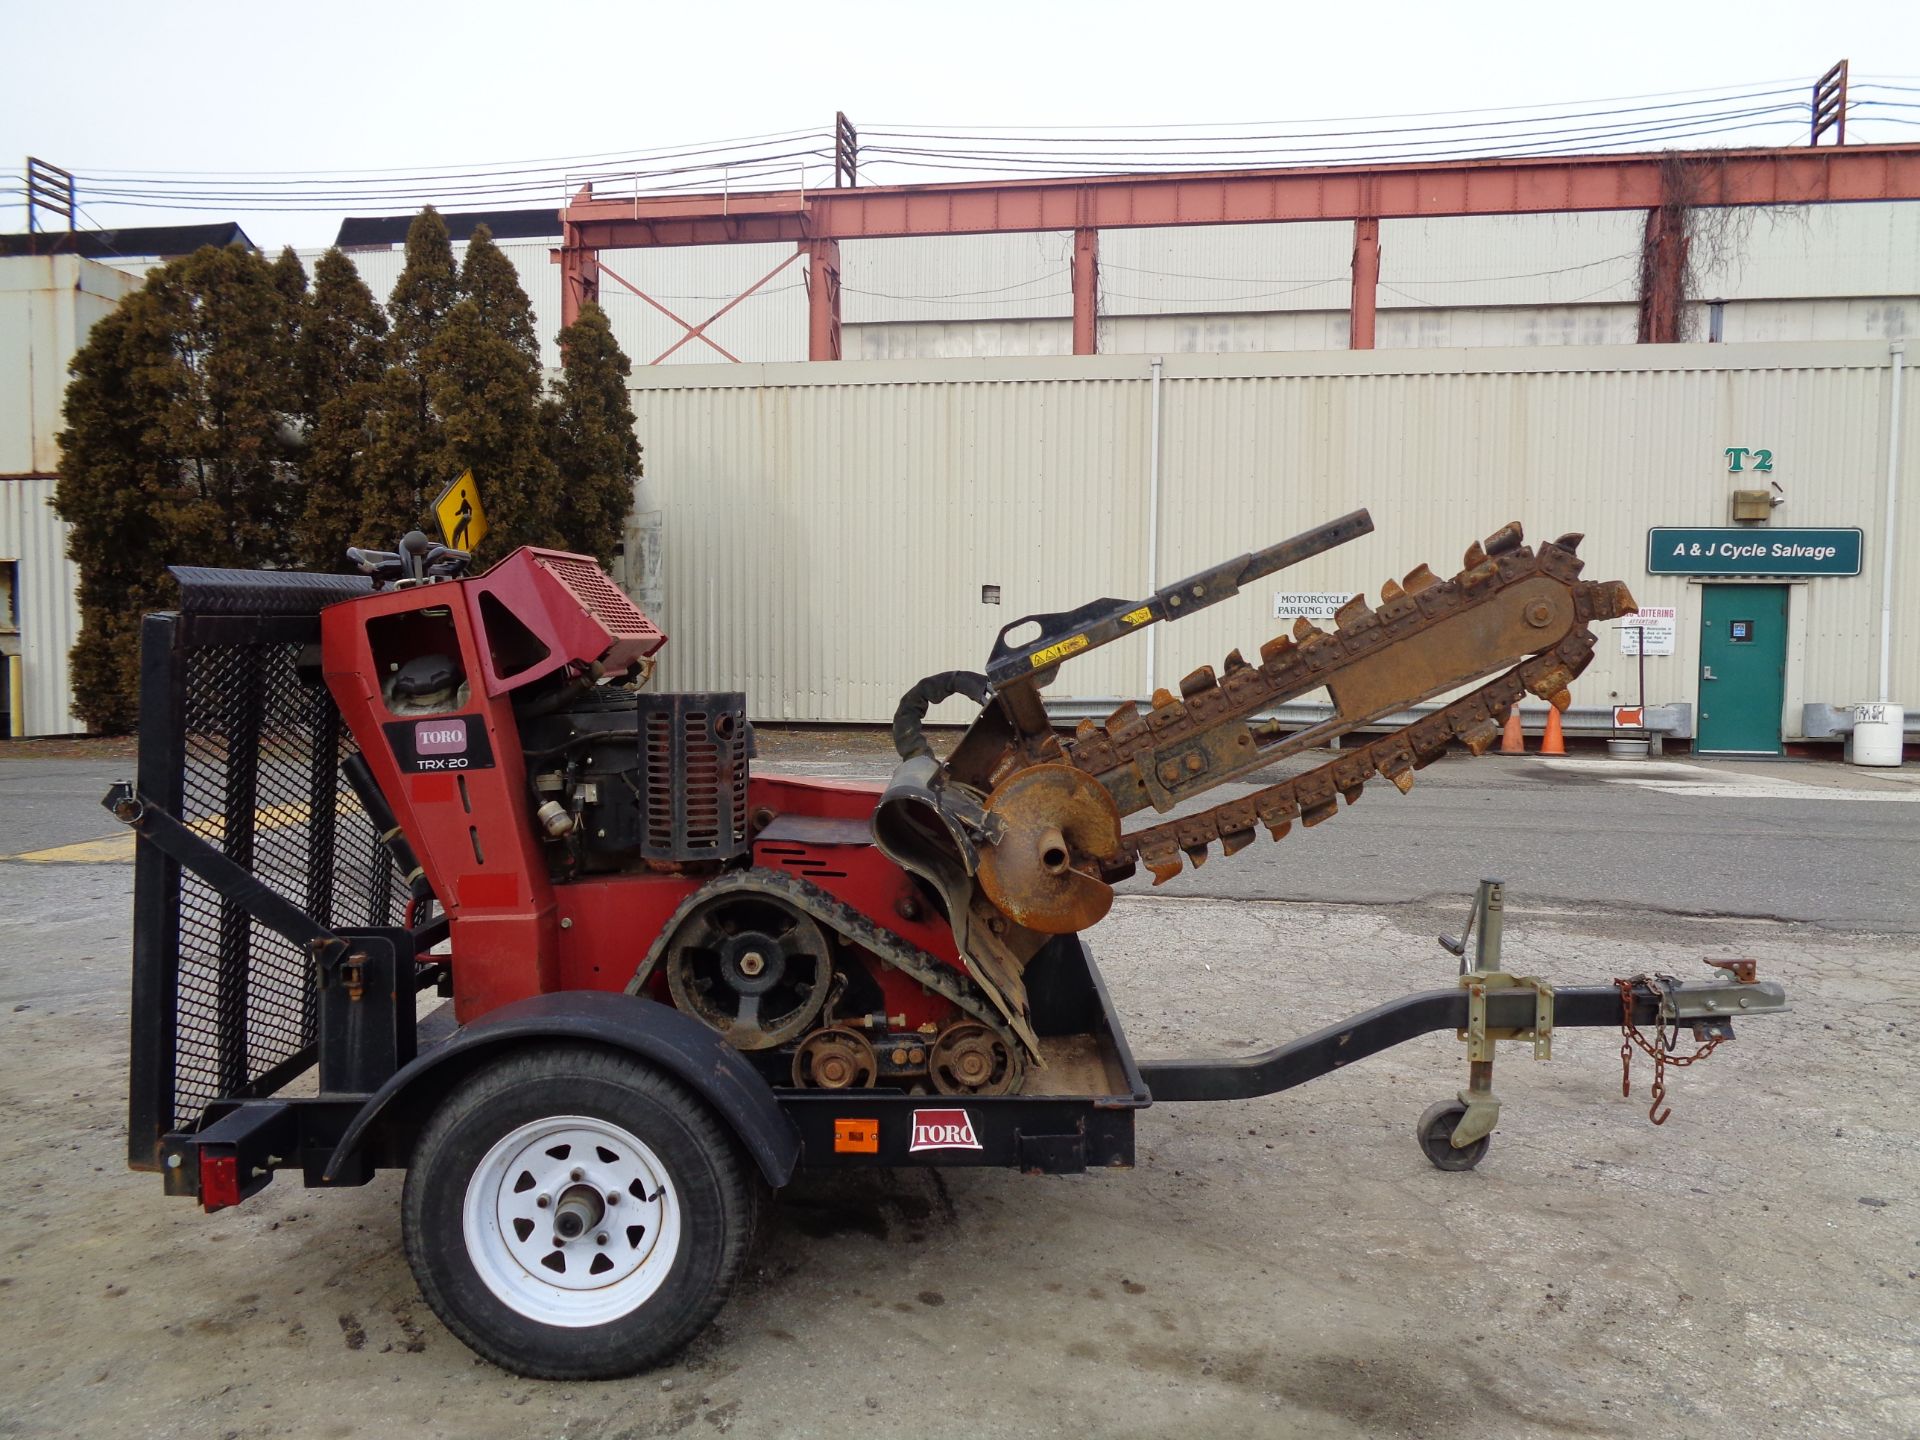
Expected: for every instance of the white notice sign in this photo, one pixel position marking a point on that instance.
(1656, 622)
(1312, 604)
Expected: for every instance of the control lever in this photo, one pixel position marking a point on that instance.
(419, 559)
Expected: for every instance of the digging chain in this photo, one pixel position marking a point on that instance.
(1292, 665)
(1660, 1048)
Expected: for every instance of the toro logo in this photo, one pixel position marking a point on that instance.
(440, 737)
(943, 1130)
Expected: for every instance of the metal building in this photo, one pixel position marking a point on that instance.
(48, 303)
(819, 536)
(1806, 272)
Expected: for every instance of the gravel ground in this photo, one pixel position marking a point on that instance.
(1282, 1266)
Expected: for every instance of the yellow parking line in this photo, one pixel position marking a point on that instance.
(118, 849)
(112, 850)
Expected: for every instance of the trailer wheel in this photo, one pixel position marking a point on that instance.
(1435, 1134)
(574, 1214)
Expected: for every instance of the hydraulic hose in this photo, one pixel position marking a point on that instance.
(360, 777)
(908, 738)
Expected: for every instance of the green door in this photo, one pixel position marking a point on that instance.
(1743, 668)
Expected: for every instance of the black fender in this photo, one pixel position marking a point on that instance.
(646, 1029)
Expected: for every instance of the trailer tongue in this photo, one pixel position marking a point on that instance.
(674, 981)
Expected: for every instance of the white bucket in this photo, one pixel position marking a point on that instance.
(1877, 734)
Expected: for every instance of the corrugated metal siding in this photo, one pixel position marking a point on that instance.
(1219, 333)
(826, 535)
(770, 324)
(48, 303)
(960, 277)
(1889, 318)
(1805, 251)
(1603, 447)
(1226, 268)
(956, 339)
(35, 539)
(1510, 260)
(826, 543)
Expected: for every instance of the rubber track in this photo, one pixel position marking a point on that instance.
(851, 926)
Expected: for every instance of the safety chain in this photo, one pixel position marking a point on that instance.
(1666, 1035)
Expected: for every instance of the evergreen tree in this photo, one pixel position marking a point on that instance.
(488, 278)
(486, 391)
(401, 460)
(486, 396)
(181, 419)
(341, 369)
(428, 287)
(290, 277)
(591, 436)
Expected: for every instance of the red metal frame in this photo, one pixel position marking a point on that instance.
(1364, 194)
(514, 931)
(693, 332)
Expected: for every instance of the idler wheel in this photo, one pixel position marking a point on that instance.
(969, 1059)
(834, 1059)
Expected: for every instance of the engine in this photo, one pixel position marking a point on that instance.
(625, 780)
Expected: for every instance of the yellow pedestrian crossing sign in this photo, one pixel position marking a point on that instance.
(463, 519)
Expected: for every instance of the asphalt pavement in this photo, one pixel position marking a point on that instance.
(1810, 841)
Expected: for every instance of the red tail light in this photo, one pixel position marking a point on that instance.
(219, 1181)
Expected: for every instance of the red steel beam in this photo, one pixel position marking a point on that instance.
(1518, 186)
(1366, 284)
(823, 298)
(1086, 292)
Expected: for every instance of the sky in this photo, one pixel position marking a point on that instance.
(110, 88)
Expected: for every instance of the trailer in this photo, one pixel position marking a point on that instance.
(375, 929)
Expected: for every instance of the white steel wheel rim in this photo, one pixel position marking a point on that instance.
(517, 1245)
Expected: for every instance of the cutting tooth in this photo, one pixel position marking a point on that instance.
(1507, 537)
(1304, 627)
(1196, 854)
(1275, 648)
(1279, 830)
(1311, 815)
(1085, 730)
(1165, 864)
(1402, 779)
(1390, 592)
(1123, 715)
(1419, 578)
(1570, 542)
(1236, 841)
(1479, 736)
(1162, 698)
(1236, 662)
(1475, 557)
(1196, 683)
(1355, 609)
(1560, 700)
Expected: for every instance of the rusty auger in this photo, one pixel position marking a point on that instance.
(1029, 824)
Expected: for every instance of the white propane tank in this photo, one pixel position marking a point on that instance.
(1877, 734)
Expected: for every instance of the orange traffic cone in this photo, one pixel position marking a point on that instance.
(1554, 742)
(1512, 739)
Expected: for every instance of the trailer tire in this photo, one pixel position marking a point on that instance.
(573, 1213)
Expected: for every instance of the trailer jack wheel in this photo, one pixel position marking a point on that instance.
(575, 1214)
(1435, 1134)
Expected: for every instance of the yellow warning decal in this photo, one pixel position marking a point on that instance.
(1043, 658)
(1140, 616)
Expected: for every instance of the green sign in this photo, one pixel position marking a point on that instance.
(1740, 551)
